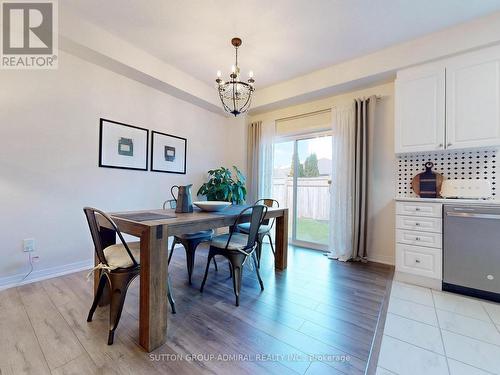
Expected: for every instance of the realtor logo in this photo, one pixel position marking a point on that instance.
(29, 35)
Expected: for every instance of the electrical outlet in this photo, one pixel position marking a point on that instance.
(29, 245)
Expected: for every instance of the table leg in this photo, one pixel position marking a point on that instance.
(108, 238)
(153, 307)
(281, 258)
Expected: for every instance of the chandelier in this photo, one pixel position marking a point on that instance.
(235, 94)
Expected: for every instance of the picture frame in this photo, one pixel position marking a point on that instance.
(123, 146)
(168, 153)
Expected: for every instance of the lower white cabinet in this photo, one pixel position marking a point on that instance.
(419, 209)
(427, 224)
(419, 242)
(417, 238)
(419, 260)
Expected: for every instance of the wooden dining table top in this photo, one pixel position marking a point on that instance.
(181, 223)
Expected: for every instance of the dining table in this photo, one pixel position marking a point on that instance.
(153, 227)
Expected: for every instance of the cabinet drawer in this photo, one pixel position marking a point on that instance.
(422, 261)
(425, 224)
(417, 238)
(419, 209)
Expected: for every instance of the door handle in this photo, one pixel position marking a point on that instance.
(473, 216)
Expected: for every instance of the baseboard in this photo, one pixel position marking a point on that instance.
(44, 274)
(426, 282)
(385, 259)
(48, 273)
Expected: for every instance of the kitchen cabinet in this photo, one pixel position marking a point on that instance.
(420, 109)
(473, 100)
(449, 104)
(421, 261)
(419, 243)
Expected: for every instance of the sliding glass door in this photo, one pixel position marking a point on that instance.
(301, 182)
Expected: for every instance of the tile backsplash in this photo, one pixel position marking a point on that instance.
(475, 164)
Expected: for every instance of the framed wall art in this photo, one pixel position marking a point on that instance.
(168, 153)
(123, 146)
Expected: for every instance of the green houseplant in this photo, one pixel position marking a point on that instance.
(223, 186)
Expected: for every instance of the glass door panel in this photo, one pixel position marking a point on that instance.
(314, 157)
(301, 182)
(282, 189)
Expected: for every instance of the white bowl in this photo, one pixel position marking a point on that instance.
(212, 205)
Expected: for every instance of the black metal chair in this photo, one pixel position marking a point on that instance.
(238, 247)
(190, 242)
(264, 230)
(119, 266)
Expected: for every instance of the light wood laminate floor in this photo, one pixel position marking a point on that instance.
(317, 317)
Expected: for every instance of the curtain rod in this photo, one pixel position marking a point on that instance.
(307, 114)
(320, 111)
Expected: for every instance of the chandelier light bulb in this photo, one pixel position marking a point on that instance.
(250, 74)
(219, 74)
(233, 68)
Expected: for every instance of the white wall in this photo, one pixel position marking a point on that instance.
(381, 243)
(382, 64)
(49, 155)
(93, 43)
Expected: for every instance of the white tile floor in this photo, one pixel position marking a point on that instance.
(429, 332)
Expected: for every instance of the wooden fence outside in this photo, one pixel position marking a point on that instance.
(313, 196)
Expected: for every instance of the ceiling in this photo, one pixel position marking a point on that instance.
(282, 39)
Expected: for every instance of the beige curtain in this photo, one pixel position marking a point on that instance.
(253, 160)
(342, 187)
(351, 163)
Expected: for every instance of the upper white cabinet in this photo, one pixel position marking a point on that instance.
(473, 100)
(450, 104)
(420, 109)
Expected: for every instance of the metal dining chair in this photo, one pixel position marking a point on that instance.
(118, 266)
(237, 247)
(189, 241)
(264, 230)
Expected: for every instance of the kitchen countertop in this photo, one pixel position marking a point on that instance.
(449, 200)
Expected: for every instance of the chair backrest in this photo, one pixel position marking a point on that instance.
(257, 215)
(271, 203)
(172, 203)
(91, 215)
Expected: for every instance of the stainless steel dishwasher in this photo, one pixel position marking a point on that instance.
(471, 250)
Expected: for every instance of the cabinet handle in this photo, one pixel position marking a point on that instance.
(417, 224)
(417, 260)
(417, 209)
(449, 144)
(440, 145)
(417, 238)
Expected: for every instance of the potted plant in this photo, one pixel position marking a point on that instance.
(223, 186)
